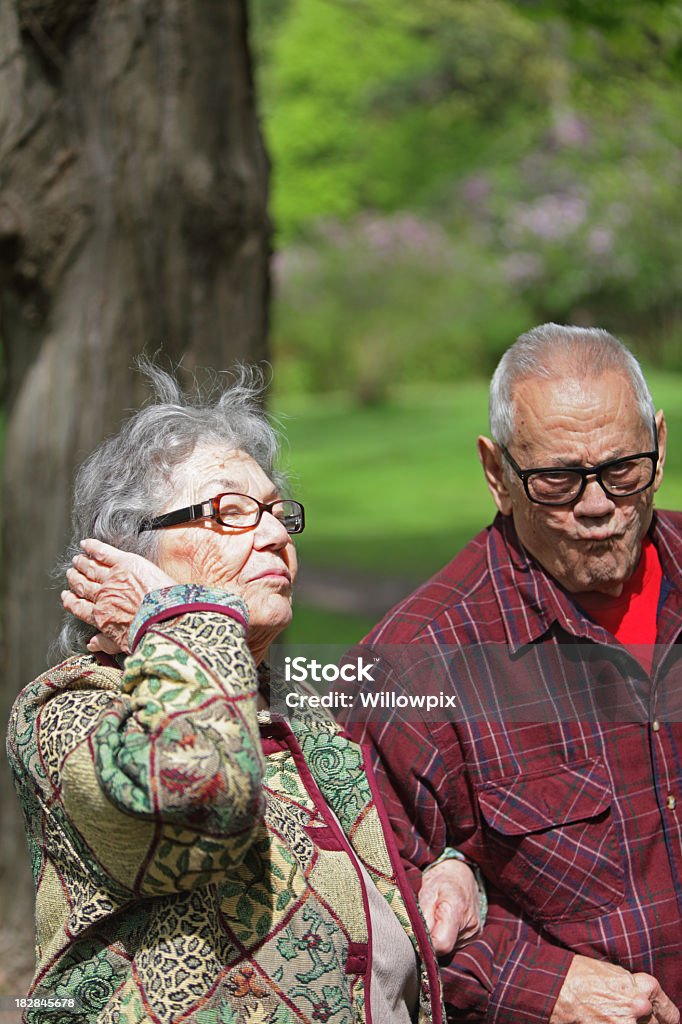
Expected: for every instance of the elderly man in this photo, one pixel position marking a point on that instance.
(574, 818)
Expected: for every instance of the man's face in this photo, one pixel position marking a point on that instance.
(594, 543)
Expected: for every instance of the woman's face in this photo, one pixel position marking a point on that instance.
(258, 564)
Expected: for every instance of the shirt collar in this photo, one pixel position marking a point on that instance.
(666, 533)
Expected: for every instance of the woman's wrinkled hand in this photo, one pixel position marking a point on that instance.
(451, 905)
(107, 588)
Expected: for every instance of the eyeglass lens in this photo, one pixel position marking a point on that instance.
(618, 480)
(241, 511)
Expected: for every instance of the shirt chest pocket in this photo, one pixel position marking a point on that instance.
(550, 841)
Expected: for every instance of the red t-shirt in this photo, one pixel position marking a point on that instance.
(631, 617)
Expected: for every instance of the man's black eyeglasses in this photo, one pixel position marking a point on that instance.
(556, 485)
(239, 511)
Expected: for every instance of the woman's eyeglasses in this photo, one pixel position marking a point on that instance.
(238, 511)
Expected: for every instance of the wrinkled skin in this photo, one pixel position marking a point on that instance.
(593, 544)
(259, 565)
(595, 992)
(449, 901)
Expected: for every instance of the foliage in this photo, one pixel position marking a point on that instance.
(357, 301)
(375, 104)
(450, 172)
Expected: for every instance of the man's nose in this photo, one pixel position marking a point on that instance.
(594, 501)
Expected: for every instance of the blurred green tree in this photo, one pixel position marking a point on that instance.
(544, 138)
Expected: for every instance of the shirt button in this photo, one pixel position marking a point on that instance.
(656, 725)
(670, 802)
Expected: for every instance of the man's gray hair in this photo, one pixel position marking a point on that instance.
(551, 351)
(131, 476)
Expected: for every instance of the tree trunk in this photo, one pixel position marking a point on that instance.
(132, 217)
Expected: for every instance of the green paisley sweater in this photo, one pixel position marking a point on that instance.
(186, 864)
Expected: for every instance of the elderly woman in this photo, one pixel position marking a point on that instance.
(195, 857)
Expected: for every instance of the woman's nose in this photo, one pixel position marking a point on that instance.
(271, 532)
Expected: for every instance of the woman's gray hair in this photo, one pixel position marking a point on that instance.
(552, 351)
(131, 476)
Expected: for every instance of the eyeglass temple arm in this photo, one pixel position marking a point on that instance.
(512, 462)
(179, 515)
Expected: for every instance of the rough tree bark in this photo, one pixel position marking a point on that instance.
(133, 186)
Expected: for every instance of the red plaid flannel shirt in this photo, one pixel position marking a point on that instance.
(576, 824)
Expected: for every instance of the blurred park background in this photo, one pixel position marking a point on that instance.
(377, 196)
(445, 175)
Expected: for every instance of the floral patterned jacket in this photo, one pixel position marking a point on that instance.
(186, 864)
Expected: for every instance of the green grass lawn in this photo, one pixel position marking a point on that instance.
(393, 489)
(398, 489)
(317, 626)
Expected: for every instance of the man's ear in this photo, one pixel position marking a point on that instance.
(662, 440)
(491, 460)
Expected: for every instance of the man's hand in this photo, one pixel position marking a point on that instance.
(596, 992)
(107, 589)
(451, 905)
